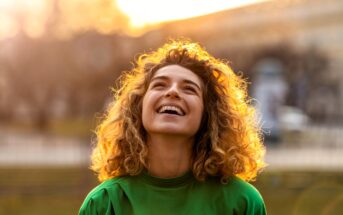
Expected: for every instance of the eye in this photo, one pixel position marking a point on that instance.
(157, 85)
(190, 89)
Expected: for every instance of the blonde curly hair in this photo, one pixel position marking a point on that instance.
(228, 141)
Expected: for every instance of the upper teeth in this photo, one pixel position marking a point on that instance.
(172, 108)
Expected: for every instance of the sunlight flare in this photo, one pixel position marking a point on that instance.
(64, 18)
(150, 12)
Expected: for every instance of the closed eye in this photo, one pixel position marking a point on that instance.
(190, 89)
(158, 85)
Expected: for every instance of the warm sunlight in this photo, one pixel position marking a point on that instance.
(150, 12)
(27, 15)
(63, 18)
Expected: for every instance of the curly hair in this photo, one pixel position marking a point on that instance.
(228, 141)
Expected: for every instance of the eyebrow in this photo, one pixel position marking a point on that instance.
(162, 77)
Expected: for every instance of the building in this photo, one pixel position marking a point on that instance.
(305, 36)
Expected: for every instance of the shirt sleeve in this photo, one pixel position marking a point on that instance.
(255, 204)
(88, 208)
(256, 209)
(97, 203)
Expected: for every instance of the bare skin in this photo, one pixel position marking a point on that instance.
(169, 156)
(171, 136)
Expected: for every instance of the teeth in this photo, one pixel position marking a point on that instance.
(172, 108)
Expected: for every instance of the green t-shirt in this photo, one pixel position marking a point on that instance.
(148, 195)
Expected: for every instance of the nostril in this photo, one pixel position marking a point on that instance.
(172, 94)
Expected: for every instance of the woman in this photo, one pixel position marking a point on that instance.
(179, 138)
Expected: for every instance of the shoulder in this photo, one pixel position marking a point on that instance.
(110, 184)
(245, 195)
(236, 184)
(102, 197)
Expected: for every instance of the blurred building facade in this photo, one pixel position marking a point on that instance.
(47, 77)
(305, 36)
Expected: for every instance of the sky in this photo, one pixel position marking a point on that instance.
(132, 17)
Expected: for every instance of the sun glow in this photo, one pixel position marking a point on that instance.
(151, 12)
(25, 15)
(64, 18)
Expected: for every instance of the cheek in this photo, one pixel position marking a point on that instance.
(143, 104)
(145, 115)
(147, 106)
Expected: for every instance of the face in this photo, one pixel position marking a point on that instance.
(173, 103)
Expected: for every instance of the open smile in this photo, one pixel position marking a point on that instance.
(171, 109)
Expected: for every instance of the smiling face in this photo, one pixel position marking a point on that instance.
(173, 103)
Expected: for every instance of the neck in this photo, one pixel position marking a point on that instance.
(169, 156)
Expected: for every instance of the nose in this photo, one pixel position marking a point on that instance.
(173, 92)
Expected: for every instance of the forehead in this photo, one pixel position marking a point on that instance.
(177, 73)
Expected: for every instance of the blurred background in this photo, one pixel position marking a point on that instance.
(59, 60)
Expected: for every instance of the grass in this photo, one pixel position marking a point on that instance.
(59, 191)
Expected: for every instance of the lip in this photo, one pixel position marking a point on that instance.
(171, 104)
